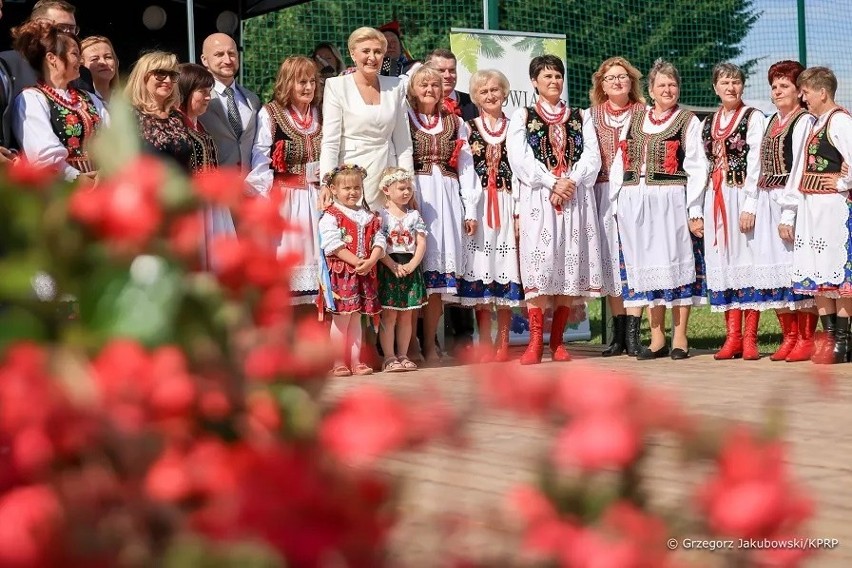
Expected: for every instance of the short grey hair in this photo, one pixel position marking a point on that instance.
(727, 70)
(478, 80)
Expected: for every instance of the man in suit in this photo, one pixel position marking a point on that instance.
(455, 101)
(231, 118)
(19, 72)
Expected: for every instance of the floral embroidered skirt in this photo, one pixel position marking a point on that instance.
(405, 293)
(354, 293)
(822, 252)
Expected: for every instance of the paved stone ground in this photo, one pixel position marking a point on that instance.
(453, 497)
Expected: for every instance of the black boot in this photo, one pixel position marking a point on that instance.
(631, 335)
(619, 329)
(841, 340)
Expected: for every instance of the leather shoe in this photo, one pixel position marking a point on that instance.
(647, 354)
(678, 354)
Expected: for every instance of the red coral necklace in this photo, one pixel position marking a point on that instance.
(720, 133)
(72, 100)
(616, 111)
(666, 115)
(429, 124)
(303, 123)
(549, 117)
(501, 123)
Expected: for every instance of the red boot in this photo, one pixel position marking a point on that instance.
(790, 332)
(483, 325)
(750, 350)
(557, 330)
(504, 321)
(733, 346)
(535, 348)
(804, 349)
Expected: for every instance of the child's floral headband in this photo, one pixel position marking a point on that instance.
(402, 175)
(345, 168)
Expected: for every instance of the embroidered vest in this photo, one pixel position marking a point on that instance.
(435, 149)
(356, 238)
(204, 154)
(663, 152)
(73, 125)
(607, 138)
(540, 137)
(776, 152)
(291, 147)
(822, 161)
(487, 156)
(736, 148)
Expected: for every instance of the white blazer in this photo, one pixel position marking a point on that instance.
(371, 136)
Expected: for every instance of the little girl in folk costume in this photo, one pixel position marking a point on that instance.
(402, 290)
(352, 241)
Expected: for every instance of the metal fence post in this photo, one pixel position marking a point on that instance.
(803, 40)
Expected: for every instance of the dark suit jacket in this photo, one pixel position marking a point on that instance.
(22, 75)
(469, 110)
(231, 151)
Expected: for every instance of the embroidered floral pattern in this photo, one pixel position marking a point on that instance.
(732, 157)
(776, 152)
(439, 149)
(655, 151)
(541, 138)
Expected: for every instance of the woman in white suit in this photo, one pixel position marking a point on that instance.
(365, 119)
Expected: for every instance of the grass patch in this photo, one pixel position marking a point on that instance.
(706, 328)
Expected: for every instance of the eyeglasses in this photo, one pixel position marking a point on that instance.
(162, 74)
(614, 78)
(68, 29)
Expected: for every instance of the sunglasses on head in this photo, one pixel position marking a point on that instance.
(162, 74)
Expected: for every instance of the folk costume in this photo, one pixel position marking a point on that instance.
(656, 185)
(358, 231)
(54, 127)
(822, 251)
(609, 123)
(447, 192)
(781, 154)
(285, 159)
(560, 246)
(217, 220)
(407, 292)
(492, 275)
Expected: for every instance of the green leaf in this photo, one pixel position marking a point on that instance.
(466, 49)
(490, 47)
(120, 143)
(19, 324)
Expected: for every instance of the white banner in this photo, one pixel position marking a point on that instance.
(510, 53)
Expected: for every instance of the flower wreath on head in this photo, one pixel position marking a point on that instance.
(329, 177)
(402, 175)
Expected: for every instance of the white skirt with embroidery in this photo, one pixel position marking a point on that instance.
(560, 251)
(440, 204)
(608, 230)
(299, 210)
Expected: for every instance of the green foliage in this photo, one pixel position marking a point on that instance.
(694, 35)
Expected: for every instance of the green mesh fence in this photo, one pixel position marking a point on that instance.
(693, 34)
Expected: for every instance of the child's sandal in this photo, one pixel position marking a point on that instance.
(392, 365)
(407, 364)
(341, 371)
(362, 369)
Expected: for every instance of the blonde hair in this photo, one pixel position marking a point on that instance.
(818, 78)
(597, 95)
(480, 78)
(94, 40)
(365, 34)
(291, 70)
(401, 174)
(423, 73)
(137, 90)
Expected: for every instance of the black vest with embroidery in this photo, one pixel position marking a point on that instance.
(73, 125)
(435, 149)
(736, 148)
(291, 147)
(663, 151)
(484, 155)
(823, 161)
(776, 152)
(539, 135)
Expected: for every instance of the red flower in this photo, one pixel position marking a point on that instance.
(124, 209)
(604, 440)
(168, 478)
(367, 424)
(73, 142)
(30, 521)
(221, 186)
(523, 391)
(23, 172)
(185, 235)
(72, 119)
(588, 390)
(260, 218)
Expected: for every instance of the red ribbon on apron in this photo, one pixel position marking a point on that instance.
(719, 210)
